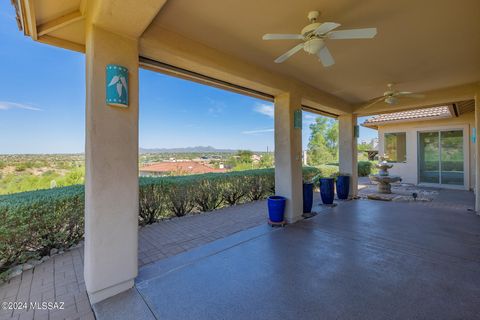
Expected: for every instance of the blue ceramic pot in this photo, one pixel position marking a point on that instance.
(307, 197)
(343, 187)
(276, 208)
(327, 190)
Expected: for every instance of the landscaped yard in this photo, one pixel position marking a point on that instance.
(36, 222)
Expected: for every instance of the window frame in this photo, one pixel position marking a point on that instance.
(395, 133)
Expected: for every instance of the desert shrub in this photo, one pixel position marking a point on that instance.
(180, 196)
(235, 189)
(21, 167)
(152, 202)
(364, 168)
(260, 186)
(208, 193)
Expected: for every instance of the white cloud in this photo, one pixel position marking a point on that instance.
(7, 105)
(309, 116)
(257, 131)
(266, 109)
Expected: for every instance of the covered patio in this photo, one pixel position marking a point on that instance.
(360, 259)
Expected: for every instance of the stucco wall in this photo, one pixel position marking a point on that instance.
(409, 170)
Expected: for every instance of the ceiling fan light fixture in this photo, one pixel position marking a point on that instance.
(312, 46)
(314, 35)
(391, 96)
(390, 100)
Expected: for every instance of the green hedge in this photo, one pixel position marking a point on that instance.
(364, 168)
(32, 223)
(328, 170)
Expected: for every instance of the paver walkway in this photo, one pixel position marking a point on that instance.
(61, 277)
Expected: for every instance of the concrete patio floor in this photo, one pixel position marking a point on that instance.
(360, 260)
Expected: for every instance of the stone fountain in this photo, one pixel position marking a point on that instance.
(383, 178)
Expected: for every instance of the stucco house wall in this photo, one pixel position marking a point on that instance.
(409, 169)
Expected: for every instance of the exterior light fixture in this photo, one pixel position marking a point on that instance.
(297, 119)
(116, 85)
(356, 131)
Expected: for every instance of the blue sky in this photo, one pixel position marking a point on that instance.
(42, 104)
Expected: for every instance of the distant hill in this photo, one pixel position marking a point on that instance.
(198, 149)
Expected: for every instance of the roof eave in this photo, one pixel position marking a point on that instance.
(370, 126)
(18, 14)
(400, 121)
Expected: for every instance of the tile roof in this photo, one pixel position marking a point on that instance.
(183, 167)
(410, 115)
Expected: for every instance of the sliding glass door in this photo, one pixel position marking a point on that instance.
(451, 149)
(440, 157)
(429, 157)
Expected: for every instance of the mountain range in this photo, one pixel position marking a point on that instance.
(197, 149)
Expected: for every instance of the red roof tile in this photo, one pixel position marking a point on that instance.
(182, 167)
(410, 115)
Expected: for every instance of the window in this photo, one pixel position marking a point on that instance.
(396, 147)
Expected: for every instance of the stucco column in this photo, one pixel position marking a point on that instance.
(111, 160)
(347, 150)
(477, 152)
(288, 155)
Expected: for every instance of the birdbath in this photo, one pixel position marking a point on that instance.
(383, 178)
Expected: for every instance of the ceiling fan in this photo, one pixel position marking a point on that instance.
(391, 96)
(314, 36)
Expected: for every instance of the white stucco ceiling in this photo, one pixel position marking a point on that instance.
(420, 45)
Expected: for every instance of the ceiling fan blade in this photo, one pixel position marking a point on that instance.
(326, 27)
(271, 36)
(366, 33)
(289, 53)
(325, 57)
(373, 103)
(402, 93)
(411, 95)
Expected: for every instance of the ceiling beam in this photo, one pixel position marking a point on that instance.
(168, 47)
(59, 22)
(31, 19)
(200, 78)
(62, 43)
(432, 98)
(126, 17)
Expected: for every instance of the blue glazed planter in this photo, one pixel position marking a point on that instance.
(276, 208)
(327, 190)
(307, 197)
(343, 187)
